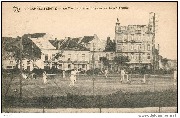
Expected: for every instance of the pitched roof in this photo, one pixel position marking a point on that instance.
(87, 39)
(43, 43)
(55, 42)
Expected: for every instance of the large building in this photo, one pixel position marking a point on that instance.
(136, 42)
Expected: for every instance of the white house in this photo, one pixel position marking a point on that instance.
(71, 59)
(48, 51)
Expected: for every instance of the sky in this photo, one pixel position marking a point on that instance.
(79, 22)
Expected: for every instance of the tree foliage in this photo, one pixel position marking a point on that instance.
(110, 45)
(29, 49)
(164, 61)
(105, 61)
(121, 60)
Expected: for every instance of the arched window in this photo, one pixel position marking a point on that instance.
(148, 56)
(148, 47)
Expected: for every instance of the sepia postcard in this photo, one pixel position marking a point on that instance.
(89, 57)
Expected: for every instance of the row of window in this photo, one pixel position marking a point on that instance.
(136, 47)
(68, 56)
(69, 66)
(140, 57)
(134, 37)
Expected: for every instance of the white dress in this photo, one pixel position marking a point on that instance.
(64, 74)
(73, 77)
(122, 75)
(44, 78)
(106, 72)
(24, 76)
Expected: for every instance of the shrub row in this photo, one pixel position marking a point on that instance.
(119, 99)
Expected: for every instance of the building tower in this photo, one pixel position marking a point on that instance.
(117, 33)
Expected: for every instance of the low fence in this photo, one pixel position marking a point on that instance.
(93, 110)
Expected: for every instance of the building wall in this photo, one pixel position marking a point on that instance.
(8, 64)
(136, 42)
(97, 55)
(74, 59)
(48, 54)
(27, 65)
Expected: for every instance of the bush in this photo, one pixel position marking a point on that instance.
(13, 71)
(38, 71)
(163, 71)
(119, 99)
(96, 71)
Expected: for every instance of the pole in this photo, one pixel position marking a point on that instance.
(32, 54)
(158, 58)
(20, 80)
(153, 43)
(43, 99)
(139, 60)
(93, 68)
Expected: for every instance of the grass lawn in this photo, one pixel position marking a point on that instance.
(108, 92)
(57, 86)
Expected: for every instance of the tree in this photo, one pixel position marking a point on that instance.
(121, 61)
(29, 49)
(105, 61)
(164, 62)
(110, 45)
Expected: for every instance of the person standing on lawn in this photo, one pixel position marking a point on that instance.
(106, 72)
(122, 75)
(127, 77)
(175, 76)
(73, 77)
(63, 74)
(44, 77)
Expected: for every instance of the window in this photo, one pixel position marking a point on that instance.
(150, 29)
(142, 47)
(69, 56)
(46, 57)
(139, 47)
(9, 67)
(111, 56)
(60, 66)
(119, 46)
(28, 62)
(125, 37)
(53, 65)
(53, 55)
(136, 56)
(148, 47)
(148, 56)
(83, 57)
(83, 66)
(131, 57)
(132, 47)
(125, 47)
(69, 66)
(107, 56)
